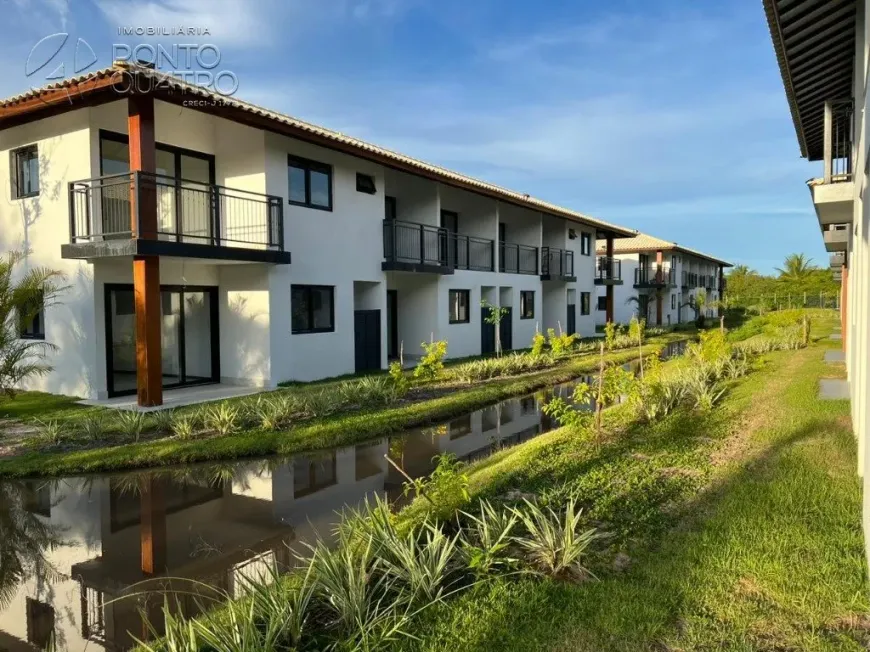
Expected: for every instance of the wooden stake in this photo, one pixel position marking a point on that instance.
(598, 400)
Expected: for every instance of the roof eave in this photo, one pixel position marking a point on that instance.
(779, 48)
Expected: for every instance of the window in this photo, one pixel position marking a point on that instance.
(459, 300)
(31, 320)
(40, 623)
(586, 244)
(24, 166)
(310, 183)
(673, 301)
(527, 304)
(365, 183)
(312, 308)
(585, 301)
(602, 303)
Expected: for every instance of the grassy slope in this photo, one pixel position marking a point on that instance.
(743, 529)
(341, 429)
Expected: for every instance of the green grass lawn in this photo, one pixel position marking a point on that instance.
(341, 429)
(739, 529)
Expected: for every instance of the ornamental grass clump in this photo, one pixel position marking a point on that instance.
(222, 418)
(554, 544)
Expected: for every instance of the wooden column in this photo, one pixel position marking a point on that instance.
(146, 269)
(152, 526)
(660, 277)
(844, 304)
(608, 305)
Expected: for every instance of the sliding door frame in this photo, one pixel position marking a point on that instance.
(211, 291)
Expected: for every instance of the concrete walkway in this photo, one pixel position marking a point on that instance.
(837, 336)
(173, 398)
(833, 389)
(834, 355)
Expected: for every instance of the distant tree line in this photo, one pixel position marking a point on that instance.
(798, 282)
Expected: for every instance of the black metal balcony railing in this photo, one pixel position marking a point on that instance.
(838, 141)
(468, 252)
(517, 258)
(557, 262)
(423, 244)
(608, 268)
(187, 211)
(659, 275)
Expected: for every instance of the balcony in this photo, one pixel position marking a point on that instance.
(557, 264)
(838, 259)
(690, 280)
(193, 220)
(834, 193)
(413, 247)
(517, 258)
(659, 276)
(608, 271)
(836, 237)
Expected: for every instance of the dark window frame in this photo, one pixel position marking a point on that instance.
(362, 179)
(673, 302)
(524, 304)
(467, 294)
(585, 243)
(585, 303)
(35, 330)
(602, 304)
(15, 156)
(331, 328)
(390, 207)
(307, 165)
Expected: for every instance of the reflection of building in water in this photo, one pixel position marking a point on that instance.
(215, 526)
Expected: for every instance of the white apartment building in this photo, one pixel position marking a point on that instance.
(660, 280)
(822, 49)
(209, 240)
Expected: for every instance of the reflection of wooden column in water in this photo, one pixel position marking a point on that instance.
(152, 527)
(152, 538)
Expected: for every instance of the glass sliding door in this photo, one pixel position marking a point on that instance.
(185, 205)
(188, 329)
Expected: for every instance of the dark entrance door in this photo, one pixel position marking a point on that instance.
(392, 324)
(487, 333)
(367, 339)
(506, 329)
(189, 337)
(572, 318)
(450, 223)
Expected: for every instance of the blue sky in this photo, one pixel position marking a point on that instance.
(667, 116)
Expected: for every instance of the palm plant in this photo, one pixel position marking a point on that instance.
(21, 301)
(797, 267)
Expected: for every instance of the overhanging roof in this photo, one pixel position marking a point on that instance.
(109, 84)
(643, 242)
(814, 42)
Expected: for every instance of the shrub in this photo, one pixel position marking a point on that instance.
(539, 341)
(400, 381)
(162, 421)
(446, 488)
(432, 362)
(183, 426)
(486, 539)
(568, 414)
(370, 391)
(93, 427)
(131, 423)
(222, 418)
(637, 329)
(561, 344)
(51, 432)
(611, 330)
(554, 544)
